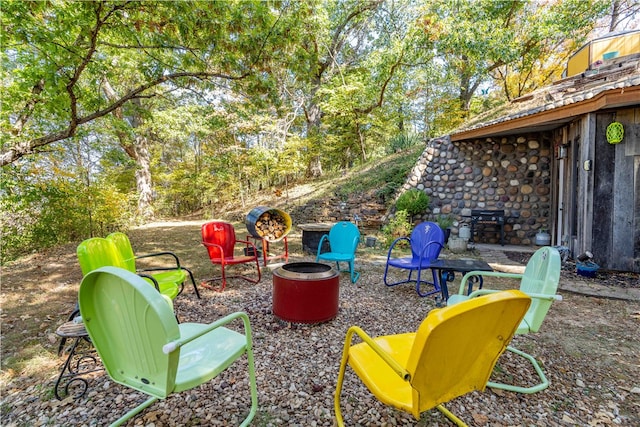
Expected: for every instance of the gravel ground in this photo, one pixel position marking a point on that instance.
(588, 346)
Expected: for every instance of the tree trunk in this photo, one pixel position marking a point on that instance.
(139, 152)
(314, 168)
(143, 179)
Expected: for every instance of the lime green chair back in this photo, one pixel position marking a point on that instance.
(169, 280)
(123, 245)
(541, 276)
(142, 346)
(98, 252)
(129, 322)
(452, 353)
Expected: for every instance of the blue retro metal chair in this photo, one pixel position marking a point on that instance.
(343, 240)
(540, 282)
(452, 353)
(426, 241)
(170, 278)
(144, 348)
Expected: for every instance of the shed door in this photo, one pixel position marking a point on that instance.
(615, 228)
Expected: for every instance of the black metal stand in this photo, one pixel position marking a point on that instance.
(81, 361)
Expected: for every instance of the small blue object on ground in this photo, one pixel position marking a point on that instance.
(587, 269)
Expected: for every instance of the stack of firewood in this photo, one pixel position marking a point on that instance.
(271, 225)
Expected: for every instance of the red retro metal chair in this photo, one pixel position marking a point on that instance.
(219, 238)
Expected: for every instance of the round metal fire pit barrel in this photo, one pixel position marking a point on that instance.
(305, 292)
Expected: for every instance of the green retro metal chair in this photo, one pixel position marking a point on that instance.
(144, 348)
(99, 252)
(539, 281)
(452, 353)
(343, 240)
(170, 279)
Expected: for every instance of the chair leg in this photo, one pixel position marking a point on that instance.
(253, 386)
(544, 382)
(355, 275)
(205, 284)
(224, 277)
(457, 421)
(336, 398)
(193, 282)
(419, 282)
(134, 411)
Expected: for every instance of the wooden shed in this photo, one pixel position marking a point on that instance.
(594, 185)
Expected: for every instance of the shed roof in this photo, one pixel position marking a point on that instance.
(615, 84)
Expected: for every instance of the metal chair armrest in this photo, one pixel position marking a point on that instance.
(465, 278)
(401, 371)
(174, 345)
(171, 254)
(426, 247)
(147, 276)
(322, 239)
(394, 244)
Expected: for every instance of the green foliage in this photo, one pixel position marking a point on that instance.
(444, 221)
(413, 201)
(402, 141)
(40, 214)
(398, 226)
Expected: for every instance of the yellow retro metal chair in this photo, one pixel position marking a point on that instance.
(452, 353)
(343, 239)
(170, 279)
(540, 282)
(144, 348)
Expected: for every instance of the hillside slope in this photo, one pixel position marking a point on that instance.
(365, 191)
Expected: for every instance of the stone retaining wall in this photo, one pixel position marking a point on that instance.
(511, 173)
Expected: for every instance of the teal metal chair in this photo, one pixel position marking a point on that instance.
(540, 282)
(144, 348)
(343, 240)
(170, 278)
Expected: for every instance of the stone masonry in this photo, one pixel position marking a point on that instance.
(511, 173)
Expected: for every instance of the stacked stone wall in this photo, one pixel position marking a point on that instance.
(511, 173)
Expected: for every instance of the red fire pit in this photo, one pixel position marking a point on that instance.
(305, 292)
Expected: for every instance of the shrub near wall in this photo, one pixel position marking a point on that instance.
(511, 173)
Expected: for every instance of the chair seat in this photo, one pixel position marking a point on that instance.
(205, 357)
(378, 376)
(168, 282)
(408, 263)
(335, 256)
(234, 260)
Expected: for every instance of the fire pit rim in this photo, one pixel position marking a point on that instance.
(283, 272)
